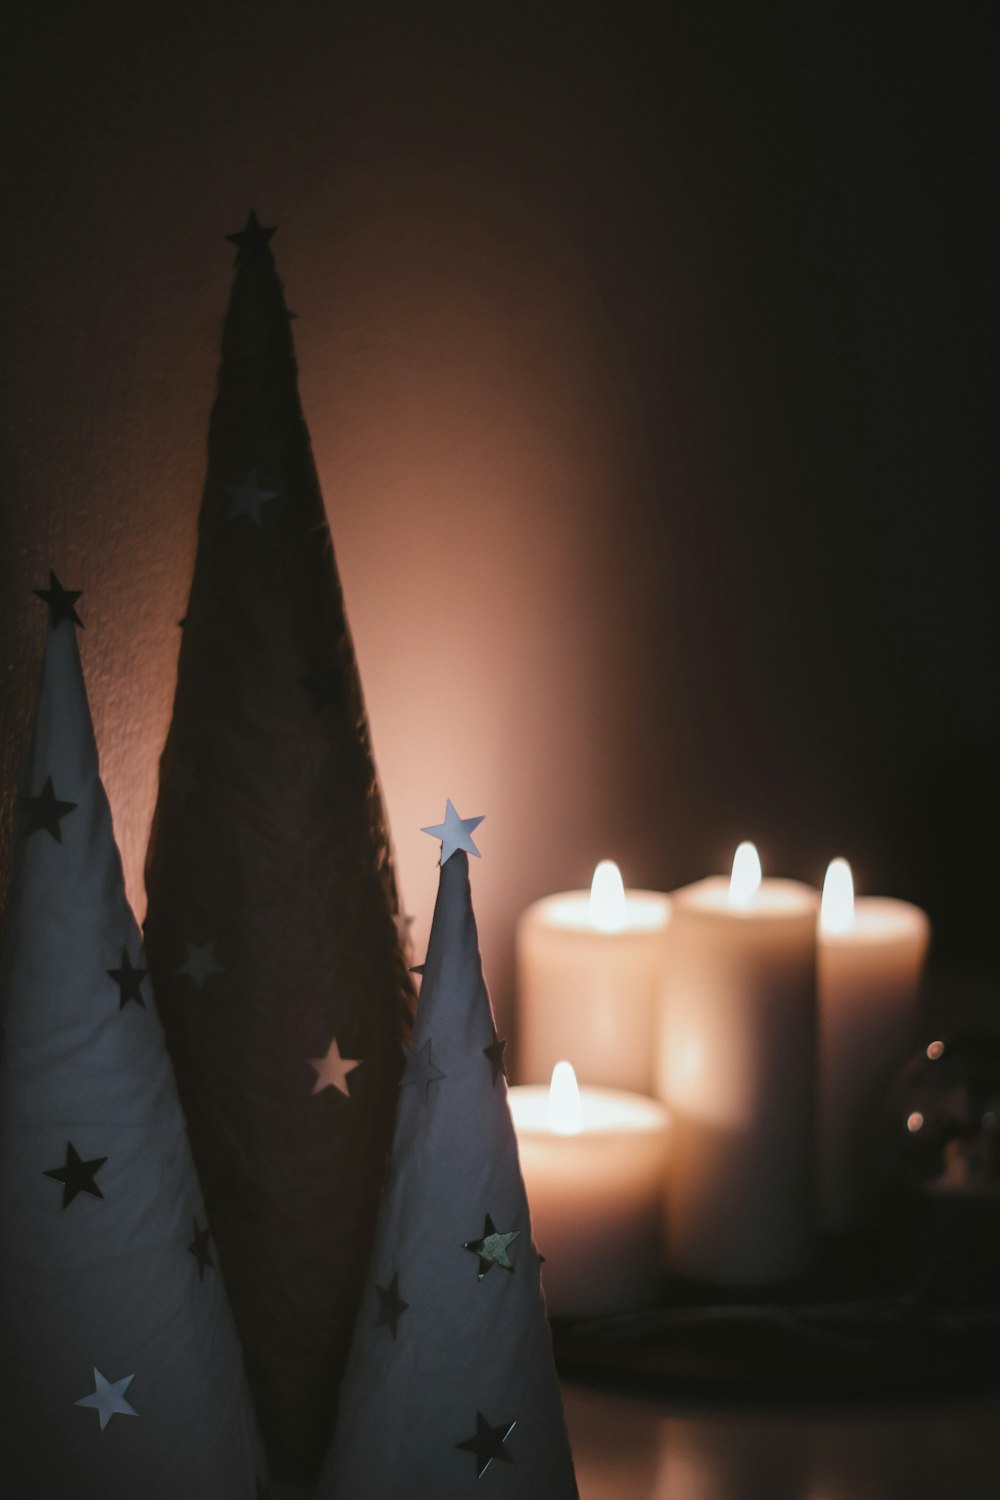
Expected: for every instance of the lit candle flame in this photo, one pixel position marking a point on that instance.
(836, 912)
(744, 883)
(565, 1110)
(607, 898)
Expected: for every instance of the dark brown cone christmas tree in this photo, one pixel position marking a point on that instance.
(271, 932)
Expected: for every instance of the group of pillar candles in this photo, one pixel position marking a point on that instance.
(731, 1042)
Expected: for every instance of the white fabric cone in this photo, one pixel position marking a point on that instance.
(464, 1346)
(106, 1284)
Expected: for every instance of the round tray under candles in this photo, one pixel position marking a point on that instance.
(929, 1325)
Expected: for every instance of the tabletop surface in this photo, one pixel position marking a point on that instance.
(642, 1447)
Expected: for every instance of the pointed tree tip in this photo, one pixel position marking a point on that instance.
(61, 602)
(252, 241)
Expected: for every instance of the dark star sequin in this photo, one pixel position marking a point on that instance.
(129, 982)
(77, 1176)
(488, 1443)
(46, 810)
(391, 1305)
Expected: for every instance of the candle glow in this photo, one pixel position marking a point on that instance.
(836, 913)
(744, 883)
(565, 1109)
(608, 912)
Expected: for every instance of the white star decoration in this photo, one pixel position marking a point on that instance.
(454, 833)
(332, 1070)
(108, 1398)
(248, 498)
(200, 964)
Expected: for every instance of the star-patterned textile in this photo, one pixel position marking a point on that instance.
(97, 1186)
(332, 1070)
(199, 1248)
(270, 837)
(455, 833)
(390, 1305)
(61, 602)
(76, 1175)
(421, 1070)
(108, 1398)
(46, 811)
(248, 498)
(129, 979)
(492, 1248)
(200, 964)
(495, 1054)
(461, 1343)
(488, 1443)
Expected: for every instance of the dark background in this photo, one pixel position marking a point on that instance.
(648, 355)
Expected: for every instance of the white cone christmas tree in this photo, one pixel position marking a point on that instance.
(450, 1388)
(122, 1375)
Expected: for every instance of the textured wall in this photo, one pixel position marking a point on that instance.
(645, 360)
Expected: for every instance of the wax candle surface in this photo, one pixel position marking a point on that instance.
(596, 1198)
(589, 980)
(871, 959)
(737, 1061)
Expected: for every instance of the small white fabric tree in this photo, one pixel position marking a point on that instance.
(450, 1388)
(121, 1372)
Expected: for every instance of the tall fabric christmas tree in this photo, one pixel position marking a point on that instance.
(451, 1378)
(272, 917)
(121, 1371)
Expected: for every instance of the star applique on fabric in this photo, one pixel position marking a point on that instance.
(455, 833)
(200, 964)
(488, 1443)
(108, 1398)
(492, 1248)
(252, 240)
(332, 1070)
(420, 1071)
(199, 1248)
(390, 1305)
(46, 811)
(61, 602)
(76, 1175)
(129, 980)
(247, 498)
(495, 1053)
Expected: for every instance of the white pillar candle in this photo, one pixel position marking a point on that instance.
(737, 1066)
(594, 1163)
(589, 974)
(871, 960)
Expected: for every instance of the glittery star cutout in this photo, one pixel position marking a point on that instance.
(488, 1443)
(332, 1070)
(252, 241)
(60, 602)
(46, 811)
(77, 1176)
(128, 980)
(492, 1248)
(495, 1052)
(420, 1068)
(248, 498)
(454, 833)
(200, 1250)
(391, 1305)
(108, 1398)
(200, 964)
